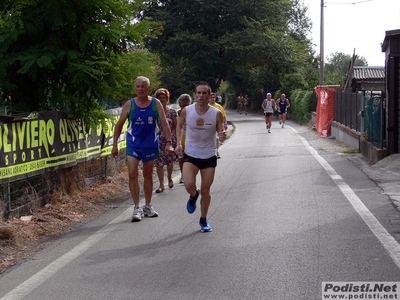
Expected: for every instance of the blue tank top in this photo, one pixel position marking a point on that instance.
(282, 104)
(143, 125)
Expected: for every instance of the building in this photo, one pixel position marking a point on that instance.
(391, 47)
(368, 78)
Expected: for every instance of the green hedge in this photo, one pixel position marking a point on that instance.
(301, 105)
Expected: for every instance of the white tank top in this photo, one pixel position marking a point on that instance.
(200, 132)
(268, 106)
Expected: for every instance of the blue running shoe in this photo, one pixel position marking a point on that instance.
(205, 226)
(191, 204)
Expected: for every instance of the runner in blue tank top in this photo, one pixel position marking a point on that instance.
(282, 104)
(142, 113)
(142, 131)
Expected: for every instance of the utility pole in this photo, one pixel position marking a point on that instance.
(321, 45)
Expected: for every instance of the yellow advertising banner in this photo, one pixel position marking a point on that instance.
(50, 139)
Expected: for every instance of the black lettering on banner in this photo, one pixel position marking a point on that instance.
(27, 144)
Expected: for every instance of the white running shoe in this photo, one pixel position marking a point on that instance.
(149, 211)
(283, 125)
(280, 122)
(269, 131)
(137, 214)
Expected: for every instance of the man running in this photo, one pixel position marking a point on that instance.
(282, 104)
(142, 143)
(268, 107)
(240, 101)
(202, 122)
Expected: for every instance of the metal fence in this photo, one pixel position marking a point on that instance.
(348, 108)
(362, 112)
(22, 197)
(373, 118)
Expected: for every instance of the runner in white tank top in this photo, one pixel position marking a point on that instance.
(199, 128)
(268, 107)
(202, 123)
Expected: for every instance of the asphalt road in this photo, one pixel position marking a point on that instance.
(287, 216)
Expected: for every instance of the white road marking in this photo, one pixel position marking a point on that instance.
(388, 242)
(30, 284)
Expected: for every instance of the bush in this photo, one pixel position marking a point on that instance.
(301, 104)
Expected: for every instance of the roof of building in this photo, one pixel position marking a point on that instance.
(390, 35)
(367, 72)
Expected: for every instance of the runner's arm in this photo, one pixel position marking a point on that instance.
(179, 130)
(120, 124)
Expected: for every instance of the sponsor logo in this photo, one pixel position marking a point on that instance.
(200, 122)
(360, 290)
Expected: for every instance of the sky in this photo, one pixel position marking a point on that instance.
(361, 26)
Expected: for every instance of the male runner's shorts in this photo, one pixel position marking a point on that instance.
(143, 154)
(201, 163)
(280, 112)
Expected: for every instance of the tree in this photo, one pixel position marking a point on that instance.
(305, 74)
(231, 40)
(337, 67)
(68, 55)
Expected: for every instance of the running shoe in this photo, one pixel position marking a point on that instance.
(181, 180)
(269, 131)
(137, 214)
(205, 226)
(218, 155)
(280, 122)
(283, 125)
(191, 204)
(149, 211)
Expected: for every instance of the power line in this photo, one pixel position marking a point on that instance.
(347, 3)
(321, 55)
